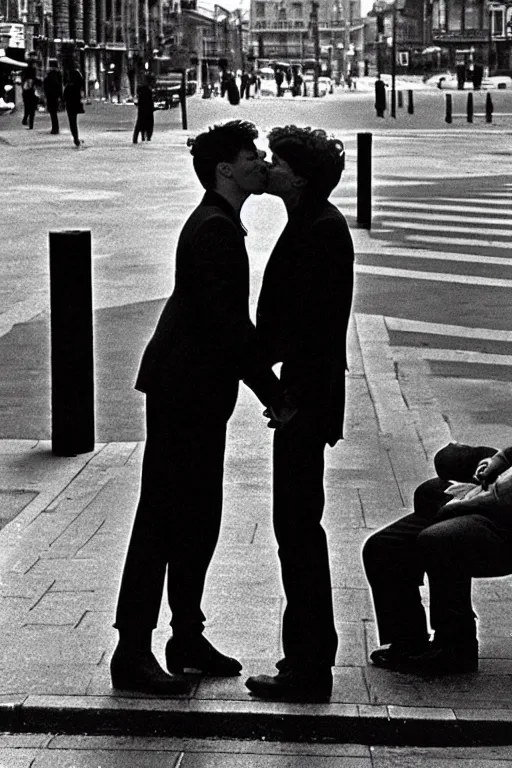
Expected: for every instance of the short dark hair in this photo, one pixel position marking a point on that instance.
(311, 154)
(220, 144)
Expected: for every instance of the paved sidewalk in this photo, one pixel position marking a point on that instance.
(60, 561)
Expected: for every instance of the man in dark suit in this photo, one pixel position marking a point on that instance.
(204, 343)
(458, 530)
(53, 93)
(302, 319)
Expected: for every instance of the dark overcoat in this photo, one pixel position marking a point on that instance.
(304, 309)
(205, 341)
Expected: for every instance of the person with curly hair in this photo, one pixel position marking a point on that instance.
(302, 318)
(203, 344)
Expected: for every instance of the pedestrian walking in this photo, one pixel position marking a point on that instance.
(73, 101)
(145, 112)
(461, 528)
(380, 96)
(279, 77)
(232, 90)
(52, 85)
(204, 343)
(29, 95)
(244, 85)
(302, 318)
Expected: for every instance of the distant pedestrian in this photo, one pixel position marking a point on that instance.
(28, 85)
(232, 90)
(244, 85)
(279, 77)
(52, 86)
(73, 102)
(380, 97)
(145, 112)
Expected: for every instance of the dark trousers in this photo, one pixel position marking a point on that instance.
(144, 126)
(52, 107)
(29, 108)
(309, 634)
(451, 552)
(73, 124)
(177, 521)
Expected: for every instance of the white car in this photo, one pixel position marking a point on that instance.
(497, 81)
(268, 82)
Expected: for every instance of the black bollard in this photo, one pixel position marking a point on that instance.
(488, 109)
(183, 100)
(72, 359)
(448, 117)
(400, 98)
(364, 180)
(410, 106)
(470, 107)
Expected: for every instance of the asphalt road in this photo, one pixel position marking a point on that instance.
(438, 254)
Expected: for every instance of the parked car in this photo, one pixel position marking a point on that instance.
(323, 87)
(447, 80)
(268, 82)
(497, 81)
(328, 83)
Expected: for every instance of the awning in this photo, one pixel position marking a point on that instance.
(432, 49)
(12, 62)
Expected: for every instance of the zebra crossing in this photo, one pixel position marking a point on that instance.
(464, 241)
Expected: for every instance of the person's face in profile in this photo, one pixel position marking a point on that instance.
(282, 180)
(250, 171)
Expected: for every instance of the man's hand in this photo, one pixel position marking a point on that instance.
(489, 469)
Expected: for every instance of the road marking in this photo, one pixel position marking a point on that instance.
(418, 253)
(453, 217)
(430, 207)
(412, 274)
(442, 329)
(463, 241)
(479, 200)
(440, 228)
(452, 356)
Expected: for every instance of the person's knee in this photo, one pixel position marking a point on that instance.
(374, 551)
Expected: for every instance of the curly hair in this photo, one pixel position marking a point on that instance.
(220, 144)
(311, 154)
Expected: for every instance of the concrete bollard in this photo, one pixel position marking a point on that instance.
(364, 180)
(183, 100)
(410, 106)
(448, 116)
(72, 358)
(470, 107)
(489, 109)
(400, 99)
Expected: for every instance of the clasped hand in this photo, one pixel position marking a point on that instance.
(489, 469)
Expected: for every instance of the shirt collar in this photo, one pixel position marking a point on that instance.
(213, 198)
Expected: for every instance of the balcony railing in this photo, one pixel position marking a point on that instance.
(280, 26)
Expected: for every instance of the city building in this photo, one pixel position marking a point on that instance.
(281, 31)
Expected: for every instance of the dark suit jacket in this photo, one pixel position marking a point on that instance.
(205, 342)
(304, 308)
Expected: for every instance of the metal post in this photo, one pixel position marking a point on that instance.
(488, 109)
(448, 116)
(72, 360)
(364, 180)
(393, 63)
(183, 100)
(470, 107)
(316, 43)
(410, 105)
(400, 99)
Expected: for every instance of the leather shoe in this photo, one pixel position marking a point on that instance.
(291, 686)
(445, 659)
(141, 672)
(397, 655)
(198, 653)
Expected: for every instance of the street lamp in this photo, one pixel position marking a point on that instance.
(393, 62)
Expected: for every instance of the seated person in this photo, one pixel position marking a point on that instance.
(461, 528)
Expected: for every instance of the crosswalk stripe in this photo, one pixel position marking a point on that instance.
(453, 217)
(433, 207)
(412, 274)
(420, 253)
(462, 241)
(442, 329)
(439, 228)
(452, 356)
(478, 200)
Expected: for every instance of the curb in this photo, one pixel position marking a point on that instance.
(335, 723)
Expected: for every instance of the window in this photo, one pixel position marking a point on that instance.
(260, 10)
(297, 10)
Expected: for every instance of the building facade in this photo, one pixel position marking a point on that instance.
(281, 31)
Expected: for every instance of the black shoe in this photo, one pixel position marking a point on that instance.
(396, 656)
(54, 133)
(24, 121)
(141, 672)
(198, 653)
(291, 686)
(446, 659)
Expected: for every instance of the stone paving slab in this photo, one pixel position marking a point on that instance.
(61, 559)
